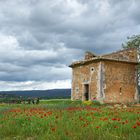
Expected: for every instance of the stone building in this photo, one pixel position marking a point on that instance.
(110, 78)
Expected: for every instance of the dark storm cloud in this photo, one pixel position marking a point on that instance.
(40, 38)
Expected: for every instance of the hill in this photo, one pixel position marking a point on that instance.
(44, 94)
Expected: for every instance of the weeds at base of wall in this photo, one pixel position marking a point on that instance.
(97, 103)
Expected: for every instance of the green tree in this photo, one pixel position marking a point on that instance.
(134, 42)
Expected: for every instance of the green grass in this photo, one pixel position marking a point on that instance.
(56, 101)
(68, 120)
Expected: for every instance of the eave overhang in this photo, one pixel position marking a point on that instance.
(98, 59)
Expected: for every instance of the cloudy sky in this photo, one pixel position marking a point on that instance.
(40, 38)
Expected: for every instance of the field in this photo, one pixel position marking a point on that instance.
(67, 120)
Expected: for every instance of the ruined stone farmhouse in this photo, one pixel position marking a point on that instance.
(110, 78)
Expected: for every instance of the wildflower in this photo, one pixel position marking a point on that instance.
(91, 113)
(101, 119)
(81, 119)
(138, 123)
(134, 126)
(115, 126)
(114, 119)
(105, 119)
(97, 127)
(49, 113)
(53, 129)
(87, 114)
(126, 121)
(85, 125)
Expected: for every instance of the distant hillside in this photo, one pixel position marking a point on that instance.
(44, 94)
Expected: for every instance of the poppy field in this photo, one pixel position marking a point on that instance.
(69, 122)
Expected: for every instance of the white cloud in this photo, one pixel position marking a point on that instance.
(34, 85)
(75, 8)
(8, 42)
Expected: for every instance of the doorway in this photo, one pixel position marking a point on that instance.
(86, 92)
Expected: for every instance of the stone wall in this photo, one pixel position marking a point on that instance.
(85, 74)
(119, 82)
(89, 55)
(126, 54)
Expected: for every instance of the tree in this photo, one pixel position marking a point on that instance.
(134, 42)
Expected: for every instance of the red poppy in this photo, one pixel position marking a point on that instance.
(91, 113)
(81, 119)
(85, 125)
(114, 119)
(115, 126)
(105, 119)
(134, 126)
(97, 127)
(138, 123)
(126, 121)
(49, 113)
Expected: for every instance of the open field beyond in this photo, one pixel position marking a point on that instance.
(67, 120)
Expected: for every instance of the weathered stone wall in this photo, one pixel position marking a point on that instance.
(89, 55)
(85, 74)
(126, 54)
(119, 82)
